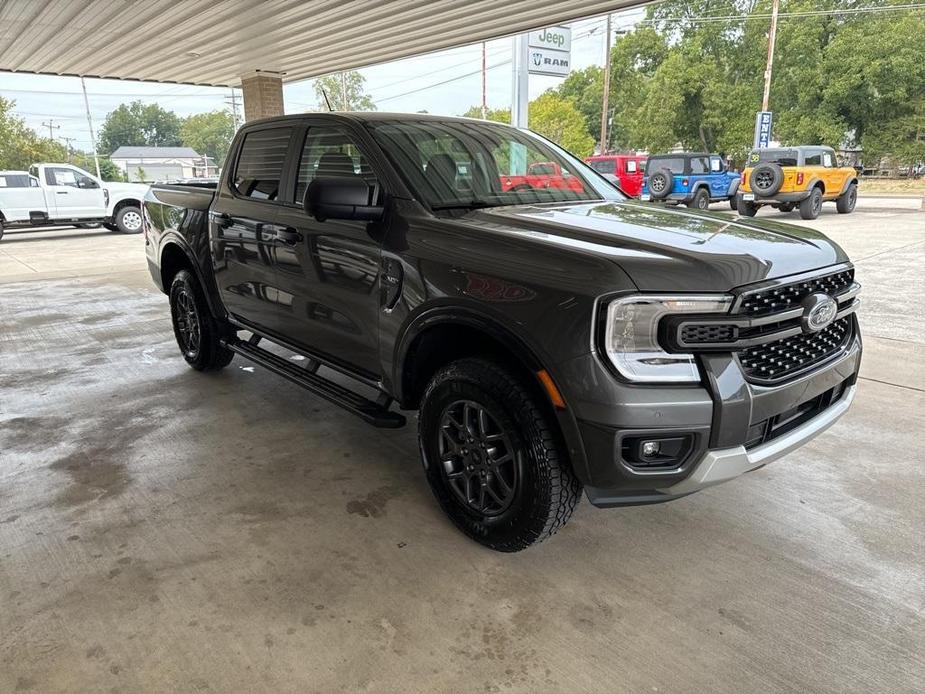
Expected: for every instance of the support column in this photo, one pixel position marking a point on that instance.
(263, 94)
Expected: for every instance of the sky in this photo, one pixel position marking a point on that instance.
(447, 82)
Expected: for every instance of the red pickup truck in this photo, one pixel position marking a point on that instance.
(542, 174)
(624, 170)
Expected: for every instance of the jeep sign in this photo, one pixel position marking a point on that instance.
(550, 51)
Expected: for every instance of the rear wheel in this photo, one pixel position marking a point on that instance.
(733, 204)
(1, 229)
(701, 200)
(847, 200)
(745, 208)
(811, 206)
(198, 333)
(128, 219)
(493, 457)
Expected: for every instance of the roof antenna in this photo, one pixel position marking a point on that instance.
(326, 99)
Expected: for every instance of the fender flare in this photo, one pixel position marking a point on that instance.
(847, 184)
(733, 187)
(172, 238)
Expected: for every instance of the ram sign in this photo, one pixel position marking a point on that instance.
(550, 51)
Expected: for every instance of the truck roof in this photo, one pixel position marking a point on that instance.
(375, 116)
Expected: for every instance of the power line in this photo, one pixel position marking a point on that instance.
(804, 13)
(447, 81)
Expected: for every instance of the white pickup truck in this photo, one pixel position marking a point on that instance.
(66, 194)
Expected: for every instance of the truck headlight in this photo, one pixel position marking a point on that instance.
(631, 336)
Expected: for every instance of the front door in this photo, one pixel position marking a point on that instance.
(243, 232)
(73, 194)
(331, 268)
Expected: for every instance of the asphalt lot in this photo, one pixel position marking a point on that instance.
(163, 530)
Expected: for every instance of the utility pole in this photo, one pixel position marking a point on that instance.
(343, 86)
(233, 102)
(67, 143)
(772, 37)
(521, 88)
(605, 106)
(484, 84)
(51, 128)
(96, 158)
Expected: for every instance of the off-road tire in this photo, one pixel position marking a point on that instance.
(745, 208)
(125, 220)
(187, 306)
(846, 201)
(1, 229)
(545, 489)
(663, 189)
(766, 179)
(733, 205)
(811, 206)
(700, 201)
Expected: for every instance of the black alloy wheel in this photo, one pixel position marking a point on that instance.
(477, 459)
(186, 319)
(198, 332)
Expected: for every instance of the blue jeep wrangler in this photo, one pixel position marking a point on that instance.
(692, 178)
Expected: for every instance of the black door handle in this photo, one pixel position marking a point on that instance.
(222, 220)
(288, 236)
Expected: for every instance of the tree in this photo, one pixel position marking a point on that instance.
(139, 124)
(209, 133)
(498, 115)
(585, 89)
(21, 146)
(559, 120)
(355, 99)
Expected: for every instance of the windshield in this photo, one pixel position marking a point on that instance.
(784, 157)
(464, 165)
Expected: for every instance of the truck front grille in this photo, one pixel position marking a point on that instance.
(775, 361)
(788, 296)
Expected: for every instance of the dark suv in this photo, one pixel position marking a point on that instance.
(551, 340)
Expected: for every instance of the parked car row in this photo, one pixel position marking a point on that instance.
(785, 178)
(65, 194)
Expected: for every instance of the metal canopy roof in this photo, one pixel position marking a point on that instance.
(214, 42)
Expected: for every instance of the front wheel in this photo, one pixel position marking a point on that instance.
(198, 333)
(811, 206)
(128, 220)
(493, 456)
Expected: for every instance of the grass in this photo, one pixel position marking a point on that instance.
(907, 186)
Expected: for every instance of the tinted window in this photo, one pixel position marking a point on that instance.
(459, 165)
(260, 164)
(330, 151)
(14, 181)
(700, 165)
(607, 166)
(542, 169)
(673, 164)
(784, 157)
(813, 159)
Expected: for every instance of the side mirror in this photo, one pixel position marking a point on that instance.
(342, 197)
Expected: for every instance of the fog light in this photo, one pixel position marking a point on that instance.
(663, 451)
(650, 449)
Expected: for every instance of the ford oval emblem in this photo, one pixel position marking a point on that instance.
(819, 310)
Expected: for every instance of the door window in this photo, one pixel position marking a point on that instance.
(604, 166)
(827, 160)
(260, 165)
(716, 165)
(330, 151)
(631, 166)
(55, 176)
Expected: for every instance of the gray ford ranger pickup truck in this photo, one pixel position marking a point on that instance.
(554, 339)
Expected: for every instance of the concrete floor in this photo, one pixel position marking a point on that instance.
(163, 530)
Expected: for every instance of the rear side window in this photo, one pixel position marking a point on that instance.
(631, 166)
(260, 164)
(14, 181)
(673, 164)
(603, 165)
(700, 165)
(813, 159)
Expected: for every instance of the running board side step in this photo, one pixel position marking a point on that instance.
(373, 412)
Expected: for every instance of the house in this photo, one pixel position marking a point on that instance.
(162, 163)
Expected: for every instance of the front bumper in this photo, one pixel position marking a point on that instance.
(721, 415)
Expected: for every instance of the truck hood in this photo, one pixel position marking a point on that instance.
(668, 249)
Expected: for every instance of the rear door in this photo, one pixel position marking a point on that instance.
(330, 269)
(631, 175)
(243, 228)
(719, 182)
(73, 194)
